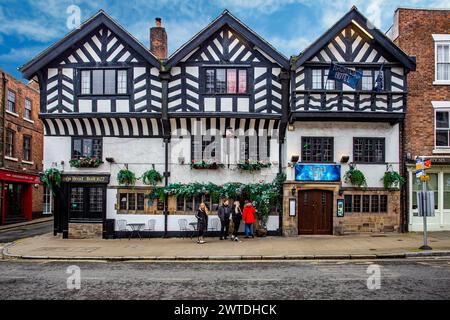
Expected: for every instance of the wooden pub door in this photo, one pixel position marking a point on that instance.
(315, 216)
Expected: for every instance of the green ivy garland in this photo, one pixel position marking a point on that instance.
(265, 196)
(151, 177)
(392, 179)
(86, 162)
(52, 178)
(355, 177)
(126, 177)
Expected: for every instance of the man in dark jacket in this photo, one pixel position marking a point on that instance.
(224, 216)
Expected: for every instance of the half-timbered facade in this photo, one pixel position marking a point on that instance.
(333, 127)
(218, 99)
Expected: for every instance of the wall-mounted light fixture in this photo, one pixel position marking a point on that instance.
(110, 160)
(345, 159)
(295, 158)
(291, 127)
(294, 191)
(341, 192)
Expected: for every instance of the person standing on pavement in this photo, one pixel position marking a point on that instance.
(249, 218)
(224, 216)
(237, 217)
(202, 219)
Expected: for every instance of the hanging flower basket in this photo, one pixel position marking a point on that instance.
(253, 165)
(85, 162)
(355, 177)
(151, 177)
(206, 165)
(126, 177)
(52, 179)
(392, 180)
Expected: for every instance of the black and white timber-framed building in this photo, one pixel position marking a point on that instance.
(225, 96)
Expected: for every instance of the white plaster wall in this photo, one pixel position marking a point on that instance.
(184, 174)
(138, 153)
(343, 133)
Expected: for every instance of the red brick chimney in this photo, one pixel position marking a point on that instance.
(158, 40)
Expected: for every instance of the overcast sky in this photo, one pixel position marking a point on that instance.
(30, 26)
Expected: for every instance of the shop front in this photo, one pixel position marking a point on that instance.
(439, 183)
(17, 196)
(80, 206)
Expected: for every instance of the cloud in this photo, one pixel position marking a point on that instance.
(290, 46)
(20, 55)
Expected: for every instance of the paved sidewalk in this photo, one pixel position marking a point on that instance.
(272, 248)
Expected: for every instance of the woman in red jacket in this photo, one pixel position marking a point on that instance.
(248, 216)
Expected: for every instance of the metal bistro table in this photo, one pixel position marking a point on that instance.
(136, 228)
(194, 227)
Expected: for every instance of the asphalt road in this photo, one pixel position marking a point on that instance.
(25, 231)
(401, 279)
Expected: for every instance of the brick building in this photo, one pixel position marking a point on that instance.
(425, 34)
(21, 151)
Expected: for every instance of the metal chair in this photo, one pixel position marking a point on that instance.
(214, 225)
(151, 225)
(183, 226)
(121, 225)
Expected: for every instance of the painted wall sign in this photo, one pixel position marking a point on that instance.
(340, 208)
(318, 172)
(85, 179)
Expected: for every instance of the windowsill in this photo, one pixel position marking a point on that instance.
(441, 151)
(28, 120)
(441, 83)
(31, 163)
(12, 113)
(225, 95)
(105, 96)
(11, 159)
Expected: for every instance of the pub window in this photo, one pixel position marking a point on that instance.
(367, 80)
(204, 148)
(191, 204)
(375, 204)
(366, 203)
(104, 82)
(11, 103)
(383, 203)
(28, 109)
(27, 148)
(254, 148)
(131, 202)
(226, 81)
(368, 150)
(86, 147)
(9, 145)
(357, 203)
(348, 204)
(442, 129)
(317, 149)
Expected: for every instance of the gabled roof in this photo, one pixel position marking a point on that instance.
(226, 18)
(100, 18)
(351, 17)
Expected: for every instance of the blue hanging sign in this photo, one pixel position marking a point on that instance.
(345, 75)
(318, 172)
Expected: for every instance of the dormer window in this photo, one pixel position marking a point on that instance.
(226, 81)
(104, 82)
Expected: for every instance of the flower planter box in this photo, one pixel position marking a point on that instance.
(85, 163)
(253, 166)
(206, 165)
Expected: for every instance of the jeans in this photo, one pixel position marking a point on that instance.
(248, 228)
(237, 224)
(224, 228)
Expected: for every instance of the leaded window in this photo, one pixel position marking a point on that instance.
(226, 81)
(317, 149)
(369, 150)
(104, 82)
(86, 147)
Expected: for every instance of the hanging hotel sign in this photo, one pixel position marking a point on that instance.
(318, 172)
(85, 179)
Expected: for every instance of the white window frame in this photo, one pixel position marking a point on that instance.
(440, 39)
(440, 106)
(48, 206)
